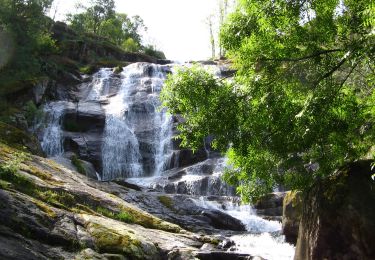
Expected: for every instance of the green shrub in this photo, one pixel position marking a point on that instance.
(130, 45)
(10, 176)
(152, 51)
(32, 112)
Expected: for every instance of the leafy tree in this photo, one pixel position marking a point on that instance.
(153, 51)
(25, 40)
(212, 37)
(101, 19)
(302, 101)
(130, 45)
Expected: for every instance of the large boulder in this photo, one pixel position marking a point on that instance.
(292, 209)
(338, 216)
(88, 146)
(85, 116)
(83, 125)
(270, 204)
(221, 220)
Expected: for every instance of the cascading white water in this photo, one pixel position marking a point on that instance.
(100, 84)
(264, 237)
(52, 135)
(136, 135)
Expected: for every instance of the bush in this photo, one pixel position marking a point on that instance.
(130, 45)
(32, 113)
(152, 51)
(10, 176)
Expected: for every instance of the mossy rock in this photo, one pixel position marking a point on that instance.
(19, 139)
(166, 201)
(116, 238)
(148, 221)
(292, 211)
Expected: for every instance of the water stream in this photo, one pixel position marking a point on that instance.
(264, 236)
(51, 140)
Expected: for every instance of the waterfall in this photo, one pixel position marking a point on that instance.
(136, 139)
(51, 140)
(137, 135)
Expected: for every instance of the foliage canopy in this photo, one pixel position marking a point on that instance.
(24, 40)
(302, 101)
(101, 19)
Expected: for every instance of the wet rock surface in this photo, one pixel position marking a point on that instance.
(270, 204)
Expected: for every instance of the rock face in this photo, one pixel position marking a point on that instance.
(292, 209)
(50, 212)
(270, 204)
(83, 125)
(338, 216)
(221, 220)
(18, 138)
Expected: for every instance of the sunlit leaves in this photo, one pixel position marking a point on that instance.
(303, 95)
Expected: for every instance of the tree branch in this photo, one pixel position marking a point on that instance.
(329, 73)
(305, 57)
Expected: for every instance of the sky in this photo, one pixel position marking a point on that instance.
(176, 27)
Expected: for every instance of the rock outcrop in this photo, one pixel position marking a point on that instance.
(292, 210)
(48, 211)
(93, 48)
(338, 216)
(20, 139)
(270, 204)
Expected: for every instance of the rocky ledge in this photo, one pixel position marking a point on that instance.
(51, 212)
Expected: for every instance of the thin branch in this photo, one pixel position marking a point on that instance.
(305, 57)
(329, 73)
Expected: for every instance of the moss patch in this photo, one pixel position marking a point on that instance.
(19, 139)
(166, 201)
(78, 164)
(121, 216)
(60, 199)
(45, 208)
(117, 242)
(148, 221)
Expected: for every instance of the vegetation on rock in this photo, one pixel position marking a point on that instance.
(101, 19)
(78, 164)
(25, 42)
